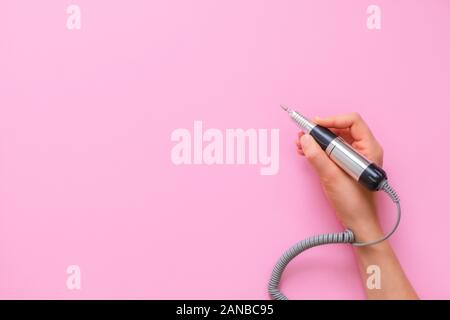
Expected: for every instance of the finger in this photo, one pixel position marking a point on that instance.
(363, 139)
(300, 134)
(299, 148)
(344, 133)
(317, 157)
(373, 153)
(358, 128)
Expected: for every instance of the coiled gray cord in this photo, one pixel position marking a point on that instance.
(340, 237)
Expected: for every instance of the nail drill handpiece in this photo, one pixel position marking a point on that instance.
(343, 154)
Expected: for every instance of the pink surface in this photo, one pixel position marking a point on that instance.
(86, 117)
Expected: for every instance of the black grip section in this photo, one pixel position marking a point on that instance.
(323, 136)
(372, 177)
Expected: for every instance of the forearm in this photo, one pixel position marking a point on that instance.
(394, 283)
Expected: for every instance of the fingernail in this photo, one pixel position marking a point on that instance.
(316, 118)
(305, 140)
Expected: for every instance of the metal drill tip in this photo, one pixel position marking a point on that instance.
(284, 108)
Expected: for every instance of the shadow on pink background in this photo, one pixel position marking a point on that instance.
(86, 117)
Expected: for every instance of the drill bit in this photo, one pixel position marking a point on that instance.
(284, 108)
(304, 124)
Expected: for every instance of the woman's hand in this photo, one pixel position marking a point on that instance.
(355, 205)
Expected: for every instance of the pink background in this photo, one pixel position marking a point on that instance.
(86, 117)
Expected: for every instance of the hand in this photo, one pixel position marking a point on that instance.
(355, 205)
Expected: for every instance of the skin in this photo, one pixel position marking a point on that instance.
(356, 206)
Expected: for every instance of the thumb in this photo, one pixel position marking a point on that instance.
(317, 157)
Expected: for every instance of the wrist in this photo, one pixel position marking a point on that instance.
(367, 230)
(367, 233)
